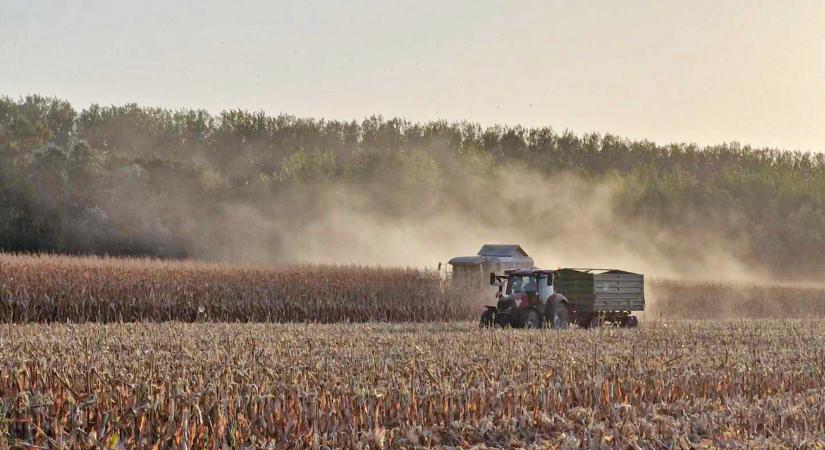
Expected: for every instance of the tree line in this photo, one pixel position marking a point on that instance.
(128, 180)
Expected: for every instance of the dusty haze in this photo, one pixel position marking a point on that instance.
(561, 220)
(245, 187)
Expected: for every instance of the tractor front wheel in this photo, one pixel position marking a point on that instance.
(532, 319)
(488, 319)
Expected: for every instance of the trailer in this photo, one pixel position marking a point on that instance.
(598, 296)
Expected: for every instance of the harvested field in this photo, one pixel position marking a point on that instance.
(173, 385)
(60, 289)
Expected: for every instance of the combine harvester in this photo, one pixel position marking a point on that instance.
(537, 298)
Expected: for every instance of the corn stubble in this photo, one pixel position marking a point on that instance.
(176, 385)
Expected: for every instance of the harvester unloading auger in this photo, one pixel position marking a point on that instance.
(536, 298)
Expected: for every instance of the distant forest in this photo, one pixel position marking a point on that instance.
(71, 180)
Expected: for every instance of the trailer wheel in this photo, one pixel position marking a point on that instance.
(532, 319)
(488, 319)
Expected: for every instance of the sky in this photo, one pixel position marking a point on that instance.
(701, 71)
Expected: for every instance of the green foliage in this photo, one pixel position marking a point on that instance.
(308, 167)
(127, 179)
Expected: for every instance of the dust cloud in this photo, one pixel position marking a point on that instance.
(561, 220)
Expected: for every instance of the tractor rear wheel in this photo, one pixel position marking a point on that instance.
(488, 319)
(532, 319)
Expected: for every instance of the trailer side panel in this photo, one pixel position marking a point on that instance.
(597, 291)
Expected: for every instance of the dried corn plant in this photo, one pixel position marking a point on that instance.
(719, 300)
(174, 385)
(60, 289)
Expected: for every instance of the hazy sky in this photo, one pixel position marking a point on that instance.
(696, 71)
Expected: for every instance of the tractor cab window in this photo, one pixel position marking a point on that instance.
(518, 284)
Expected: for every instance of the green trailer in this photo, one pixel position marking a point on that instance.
(596, 296)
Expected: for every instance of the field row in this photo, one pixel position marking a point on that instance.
(60, 289)
(175, 385)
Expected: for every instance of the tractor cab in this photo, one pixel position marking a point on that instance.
(536, 284)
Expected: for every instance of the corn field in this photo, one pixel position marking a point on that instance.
(674, 299)
(61, 289)
(175, 385)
